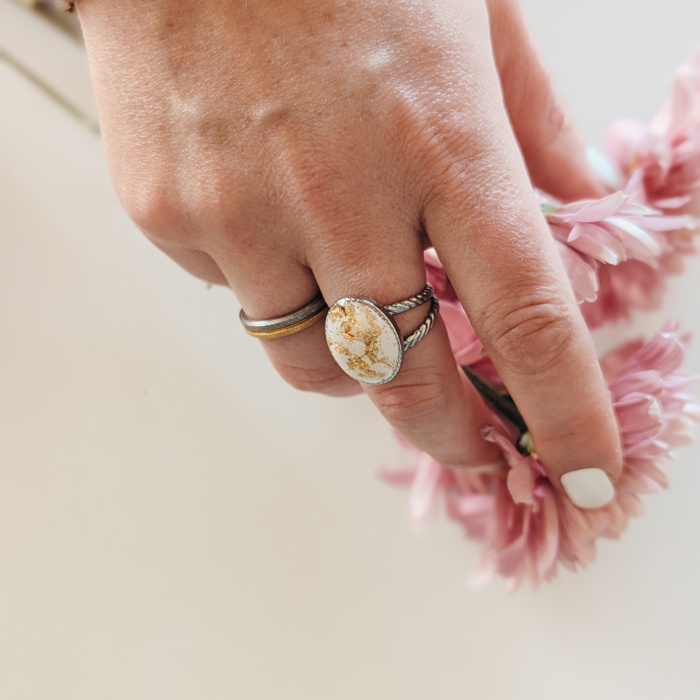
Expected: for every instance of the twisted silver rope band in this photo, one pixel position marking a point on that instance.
(410, 340)
(425, 294)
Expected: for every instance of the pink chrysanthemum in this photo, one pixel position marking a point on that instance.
(661, 163)
(662, 158)
(615, 251)
(526, 525)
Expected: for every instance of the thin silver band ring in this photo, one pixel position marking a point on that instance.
(288, 324)
(414, 338)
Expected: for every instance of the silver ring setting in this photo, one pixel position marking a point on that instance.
(364, 339)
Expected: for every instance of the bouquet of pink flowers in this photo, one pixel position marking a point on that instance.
(618, 252)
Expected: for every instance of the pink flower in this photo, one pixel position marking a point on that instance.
(436, 275)
(665, 154)
(614, 250)
(527, 527)
(661, 162)
(466, 347)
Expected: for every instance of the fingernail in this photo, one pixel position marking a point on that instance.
(588, 488)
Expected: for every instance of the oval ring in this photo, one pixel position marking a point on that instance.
(364, 339)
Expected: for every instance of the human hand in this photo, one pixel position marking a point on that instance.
(283, 148)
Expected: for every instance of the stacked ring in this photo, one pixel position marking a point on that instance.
(288, 324)
(361, 334)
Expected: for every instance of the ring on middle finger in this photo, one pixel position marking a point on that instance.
(364, 339)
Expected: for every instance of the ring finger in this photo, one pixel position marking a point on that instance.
(429, 401)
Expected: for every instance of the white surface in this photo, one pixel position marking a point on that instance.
(174, 528)
(53, 56)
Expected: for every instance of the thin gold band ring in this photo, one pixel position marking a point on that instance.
(288, 324)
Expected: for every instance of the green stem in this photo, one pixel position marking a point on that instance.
(504, 404)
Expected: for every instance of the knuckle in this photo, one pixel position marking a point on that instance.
(533, 335)
(173, 214)
(414, 397)
(431, 130)
(153, 210)
(460, 158)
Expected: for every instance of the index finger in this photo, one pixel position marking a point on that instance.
(503, 263)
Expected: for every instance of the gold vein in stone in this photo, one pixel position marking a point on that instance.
(351, 329)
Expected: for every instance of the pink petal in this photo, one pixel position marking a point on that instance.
(548, 545)
(645, 382)
(589, 210)
(596, 241)
(466, 347)
(580, 271)
(521, 482)
(426, 488)
(663, 353)
(396, 475)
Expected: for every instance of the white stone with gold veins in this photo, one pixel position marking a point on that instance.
(364, 340)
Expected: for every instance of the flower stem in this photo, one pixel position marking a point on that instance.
(504, 404)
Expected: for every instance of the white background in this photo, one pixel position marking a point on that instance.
(176, 523)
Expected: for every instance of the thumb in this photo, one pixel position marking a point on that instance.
(552, 147)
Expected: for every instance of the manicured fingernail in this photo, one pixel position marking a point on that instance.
(588, 488)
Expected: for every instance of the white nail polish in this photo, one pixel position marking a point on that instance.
(588, 488)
